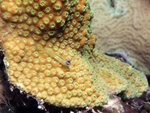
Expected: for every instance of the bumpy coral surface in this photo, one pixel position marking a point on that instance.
(49, 53)
(123, 26)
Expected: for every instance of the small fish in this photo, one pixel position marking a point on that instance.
(57, 57)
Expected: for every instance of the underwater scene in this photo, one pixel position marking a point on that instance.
(74, 56)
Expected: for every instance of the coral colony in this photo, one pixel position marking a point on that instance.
(122, 26)
(49, 48)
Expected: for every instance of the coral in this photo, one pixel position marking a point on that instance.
(123, 26)
(49, 53)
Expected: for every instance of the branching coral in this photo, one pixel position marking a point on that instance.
(123, 26)
(50, 52)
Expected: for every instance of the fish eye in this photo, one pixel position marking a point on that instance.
(68, 62)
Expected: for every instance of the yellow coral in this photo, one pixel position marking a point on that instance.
(50, 50)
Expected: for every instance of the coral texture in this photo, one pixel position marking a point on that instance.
(123, 27)
(49, 53)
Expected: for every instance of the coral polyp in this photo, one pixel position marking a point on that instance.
(49, 46)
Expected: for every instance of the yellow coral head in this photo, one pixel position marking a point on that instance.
(49, 46)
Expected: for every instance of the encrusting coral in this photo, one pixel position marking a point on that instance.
(122, 27)
(49, 53)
